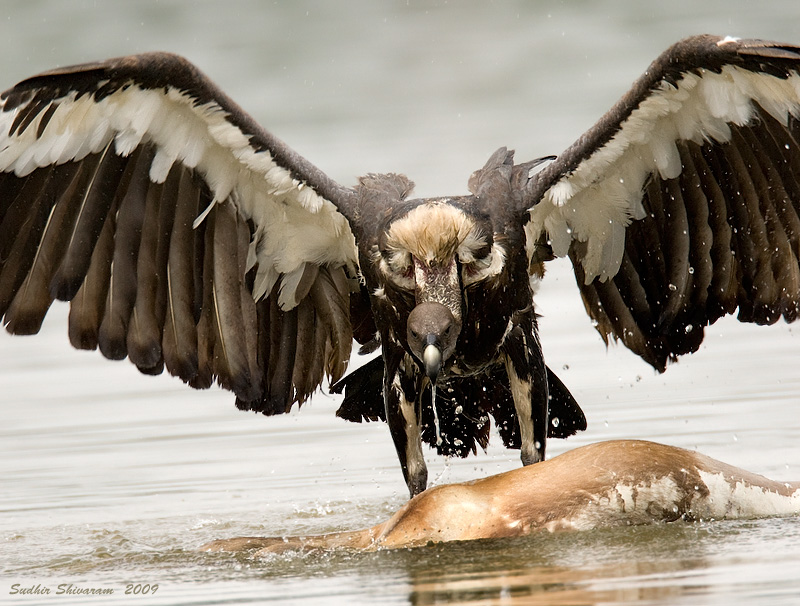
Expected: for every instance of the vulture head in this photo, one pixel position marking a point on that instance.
(433, 265)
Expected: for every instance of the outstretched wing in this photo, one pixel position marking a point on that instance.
(183, 234)
(682, 203)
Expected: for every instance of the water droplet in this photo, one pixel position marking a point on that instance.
(435, 415)
(691, 270)
(688, 329)
(565, 367)
(555, 421)
(673, 288)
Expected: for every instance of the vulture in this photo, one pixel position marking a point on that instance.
(185, 236)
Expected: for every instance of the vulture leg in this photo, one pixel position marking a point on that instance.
(527, 376)
(402, 397)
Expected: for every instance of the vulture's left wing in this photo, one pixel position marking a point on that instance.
(183, 234)
(682, 203)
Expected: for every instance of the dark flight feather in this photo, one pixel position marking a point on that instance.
(179, 343)
(231, 365)
(26, 264)
(144, 338)
(87, 307)
(112, 337)
(92, 210)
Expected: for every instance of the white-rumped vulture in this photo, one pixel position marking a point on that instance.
(188, 237)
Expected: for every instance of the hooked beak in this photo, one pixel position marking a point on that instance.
(432, 358)
(432, 332)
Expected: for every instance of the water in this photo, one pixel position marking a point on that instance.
(111, 478)
(435, 415)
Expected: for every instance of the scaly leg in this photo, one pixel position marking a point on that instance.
(403, 403)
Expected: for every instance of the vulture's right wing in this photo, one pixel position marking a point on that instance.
(183, 234)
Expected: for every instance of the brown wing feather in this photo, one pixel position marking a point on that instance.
(179, 342)
(112, 337)
(682, 204)
(92, 211)
(25, 281)
(722, 235)
(87, 308)
(155, 231)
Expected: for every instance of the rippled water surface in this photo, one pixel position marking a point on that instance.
(110, 479)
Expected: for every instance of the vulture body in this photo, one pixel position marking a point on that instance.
(189, 238)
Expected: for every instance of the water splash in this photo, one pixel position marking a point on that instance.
(435, 415)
